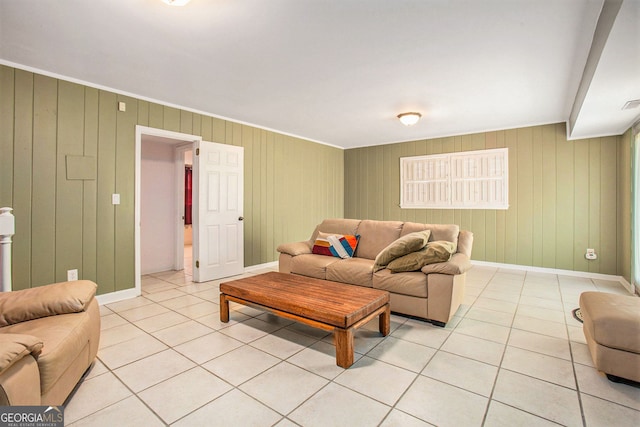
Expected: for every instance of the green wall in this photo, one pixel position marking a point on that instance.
(563, 197)
(290, 184)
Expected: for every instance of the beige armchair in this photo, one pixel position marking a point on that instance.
(49, 337)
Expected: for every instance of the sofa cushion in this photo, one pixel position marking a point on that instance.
(354, 271)
(375, 236)
(412, 227)
(404, 245)
(312, 265)
(336, 226)
(33, 303)
(337, 245)
(434, 252)
(14, 347)
(448, 232)
(412, 283)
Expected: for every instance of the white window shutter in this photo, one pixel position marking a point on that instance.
(466, 180)
(425, 181)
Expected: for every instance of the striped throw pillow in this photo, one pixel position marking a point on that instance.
(337, 245)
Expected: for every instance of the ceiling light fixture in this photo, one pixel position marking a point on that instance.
(409, 119)
(176, 2)
(630, 105)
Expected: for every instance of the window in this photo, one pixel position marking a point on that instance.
(466, 180)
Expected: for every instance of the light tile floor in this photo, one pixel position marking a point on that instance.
(513, 355)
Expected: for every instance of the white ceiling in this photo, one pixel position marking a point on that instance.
(339, 71)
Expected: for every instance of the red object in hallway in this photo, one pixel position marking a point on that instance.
(188, 174)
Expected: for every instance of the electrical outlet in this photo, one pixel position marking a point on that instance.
(591, 254)
(72, 275)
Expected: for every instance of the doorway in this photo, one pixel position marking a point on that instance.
(217, 229)
(184, 192)
(159, 201)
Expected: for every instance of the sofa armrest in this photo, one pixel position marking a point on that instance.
(43, 301)
(296, 248)
(465, 242)
(14, 347)
(458, 264)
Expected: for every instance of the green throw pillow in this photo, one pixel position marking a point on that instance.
(439, 251)
(404, 245)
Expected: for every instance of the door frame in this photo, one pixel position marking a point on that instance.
(179, 163)
(635, 210)
(181, 139)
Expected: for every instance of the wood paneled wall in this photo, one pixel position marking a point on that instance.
(564, 197)
(290, 184)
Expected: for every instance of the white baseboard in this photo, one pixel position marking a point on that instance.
(117, 296)
(261, 266)
(572, 273)
(132, 293)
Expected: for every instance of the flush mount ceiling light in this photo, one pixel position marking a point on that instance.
(409, 119)
(176, 2)
(630, 105)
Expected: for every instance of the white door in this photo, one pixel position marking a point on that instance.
(218, 237)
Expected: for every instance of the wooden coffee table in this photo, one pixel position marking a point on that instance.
(331, 306)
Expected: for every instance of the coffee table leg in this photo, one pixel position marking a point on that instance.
(224, 309)
(344, 347)
(384, 321)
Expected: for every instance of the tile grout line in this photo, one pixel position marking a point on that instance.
(573, 368)
(504, 350)
(501, 368)
(171, 347)
(392, 407)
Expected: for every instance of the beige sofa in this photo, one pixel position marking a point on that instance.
(433, 293)
(48, 338)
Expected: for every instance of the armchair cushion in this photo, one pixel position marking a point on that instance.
(14, 347)
(34, 303)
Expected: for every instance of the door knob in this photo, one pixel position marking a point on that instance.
(240, 218)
